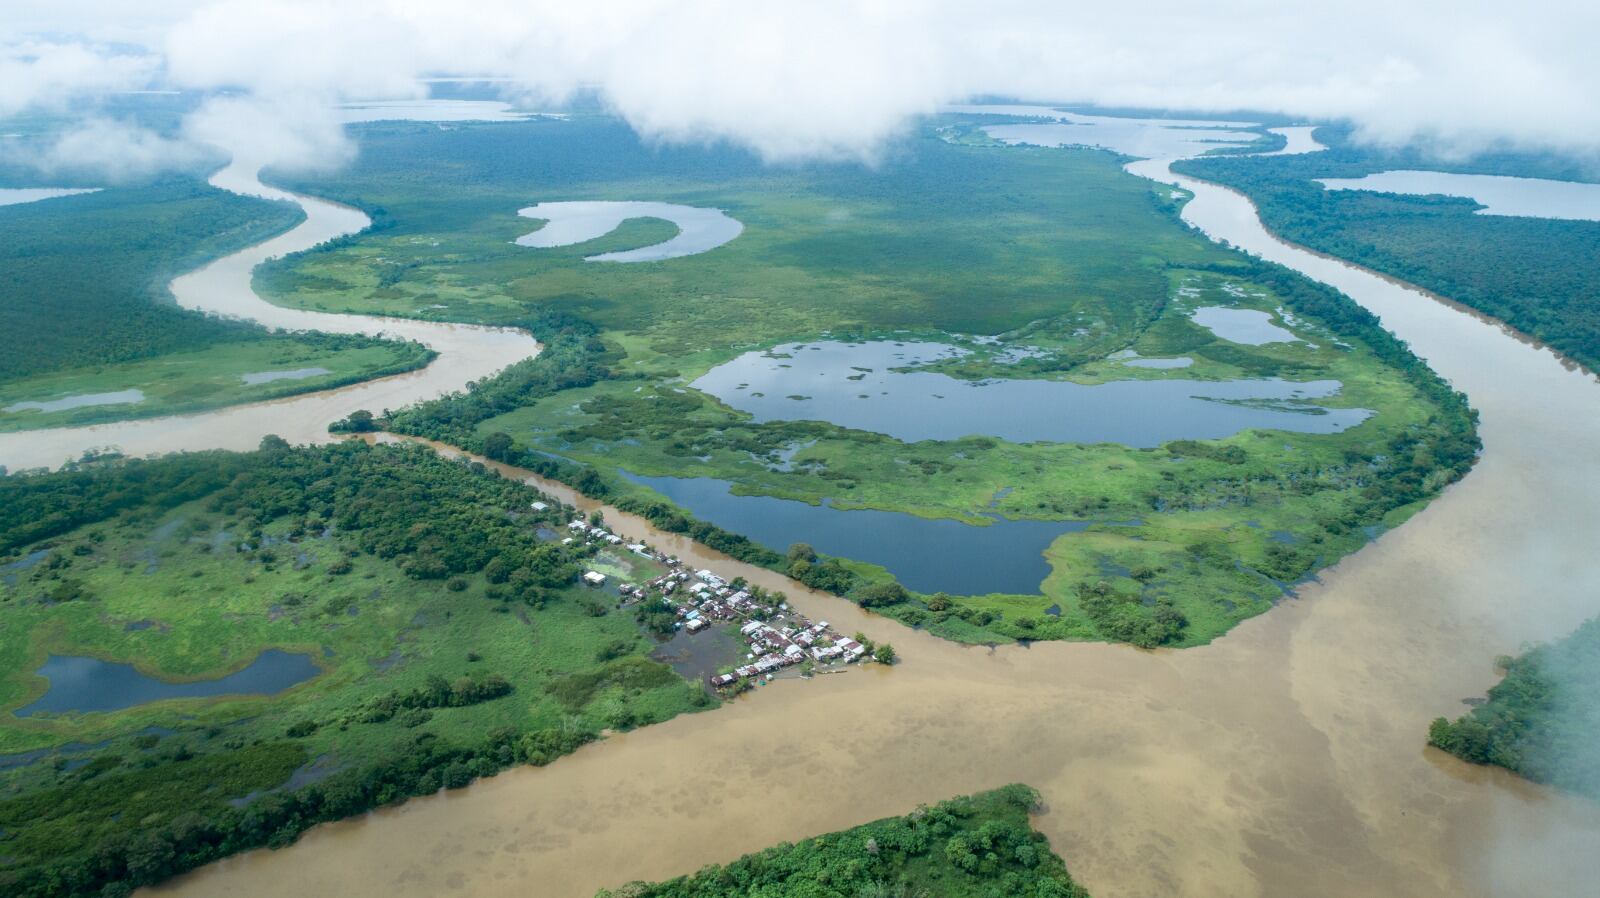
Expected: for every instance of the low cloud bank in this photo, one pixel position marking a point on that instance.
(839, 79)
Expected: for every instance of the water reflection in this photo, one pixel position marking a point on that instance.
(1251, 327)
(1499, 195)
(927, 555)
(82, 400)
(856, 385)
(1142, 137)
(84, 685)
(577, 222)
(15, 196)
(266, 377)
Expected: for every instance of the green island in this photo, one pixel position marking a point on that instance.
(1531, 273)
(85, 291)
(389, 622)
(1543, 720)
(1044, 266)
(981, 846)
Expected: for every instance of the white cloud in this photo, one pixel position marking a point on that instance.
(100, 150)
(290, 131)
(839, 77)
(45, 74)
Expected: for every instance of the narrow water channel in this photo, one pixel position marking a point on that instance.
(465, 352)
(1286, 758)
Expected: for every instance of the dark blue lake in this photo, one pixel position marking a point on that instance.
(926, 555)
(82, 685)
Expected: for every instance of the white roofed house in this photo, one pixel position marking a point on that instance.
(539, 506)
(594, 578)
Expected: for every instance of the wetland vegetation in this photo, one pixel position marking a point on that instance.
(445, 637)
(981, 846)
(1037, 264)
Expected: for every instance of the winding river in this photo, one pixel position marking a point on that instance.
(1285, 759)
(466, 352)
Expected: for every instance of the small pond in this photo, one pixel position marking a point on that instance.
(854, 385)
(578, 222)
(696, 656)
(1498, 194)
(84, 400)
(1250, 327)
(267, 377)
(926, 555)
(84, 685)
(1160, 364)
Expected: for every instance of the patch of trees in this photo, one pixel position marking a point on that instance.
(1542, 720)
(90, 855)
(1127, 617)
(436, 517)
(573, 356)
(982, 845)
(437, 692)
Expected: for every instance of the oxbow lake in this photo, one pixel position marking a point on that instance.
(875, 386)
(571, 223)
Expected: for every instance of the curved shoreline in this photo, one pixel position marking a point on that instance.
(465, 353)
(1286, 758)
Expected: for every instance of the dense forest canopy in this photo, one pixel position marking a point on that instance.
(83, 279)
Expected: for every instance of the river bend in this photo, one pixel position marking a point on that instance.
(466, 353)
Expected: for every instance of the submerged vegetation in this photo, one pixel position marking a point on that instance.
(982, 846)
(1039, 264)
(1543, 720)
(449, 637)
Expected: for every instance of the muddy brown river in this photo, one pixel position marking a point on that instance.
(1285, 759)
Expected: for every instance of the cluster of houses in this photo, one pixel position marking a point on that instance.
(773, 648)
(589, 533)
(788, 639)
(702, 598)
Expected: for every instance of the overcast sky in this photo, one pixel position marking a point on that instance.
(837, 78)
